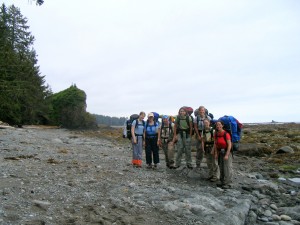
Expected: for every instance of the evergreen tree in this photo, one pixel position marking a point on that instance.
(22, 88)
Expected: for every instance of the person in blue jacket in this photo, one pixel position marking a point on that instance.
(151, 147)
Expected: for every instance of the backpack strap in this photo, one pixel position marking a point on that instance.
(211, 134)
(187, 120)
(137, 123)
(170, 129)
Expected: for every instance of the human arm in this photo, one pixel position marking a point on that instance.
(158, 136)
(133, 132)
(198, 135)
(175, 133)
(229, 144)
(191, 126)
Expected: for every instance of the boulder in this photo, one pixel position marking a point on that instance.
(249, 149)
(285, 149)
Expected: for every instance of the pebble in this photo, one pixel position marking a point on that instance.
(264, 219)
(284, 223)
(295, 222)
(264, 201)
(132, 184)
(285, 218)
(252, 217)
(259, 176)
(276, 217)
(273, 206)
(267, 213)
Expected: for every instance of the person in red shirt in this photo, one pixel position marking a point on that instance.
(222, 152)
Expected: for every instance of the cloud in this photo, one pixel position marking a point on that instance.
(238, 58)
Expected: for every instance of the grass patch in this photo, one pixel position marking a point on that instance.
(288, 167)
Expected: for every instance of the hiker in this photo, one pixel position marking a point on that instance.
(198, 127)
(137, 139)
(182, 135)
(151, 146)
(165, 140)
(222, 152)
(207, 144)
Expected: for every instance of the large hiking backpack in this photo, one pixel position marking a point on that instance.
(128, 124)
(213, 123)
(188, 109)
(233, 127)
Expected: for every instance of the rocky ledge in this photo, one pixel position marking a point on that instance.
(57, 176)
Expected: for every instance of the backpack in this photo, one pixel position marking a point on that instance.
(188, 122)
(128, 124)
(146, 126)
(198, 120)
(213, 123)
(233, 127)
(170, 128)
(211, 131)
(188, 109)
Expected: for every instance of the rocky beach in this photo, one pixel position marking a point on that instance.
(58, 176)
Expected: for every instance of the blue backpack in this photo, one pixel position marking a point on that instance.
(156, 116)
(233, 127)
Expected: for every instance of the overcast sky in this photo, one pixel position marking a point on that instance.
(239, 58)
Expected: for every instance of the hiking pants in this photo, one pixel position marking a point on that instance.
(168, 148)
(212, 164)
(225, 168)
(184, 146)
(137, 151)
(199, 153)
(152, 149)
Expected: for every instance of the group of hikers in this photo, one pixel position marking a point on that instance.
(215, 140)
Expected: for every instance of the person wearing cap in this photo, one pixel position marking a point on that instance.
(165, 140)
(151, 147)
(137, 133)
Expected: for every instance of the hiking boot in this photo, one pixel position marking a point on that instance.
(209, 178)
(226, 186)
(220, 185)
(155, 166)
(149, 166)
(172, 167)
(190, 167)
(213, 179)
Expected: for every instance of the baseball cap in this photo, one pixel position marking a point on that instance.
(150, 114)
(165, 117)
